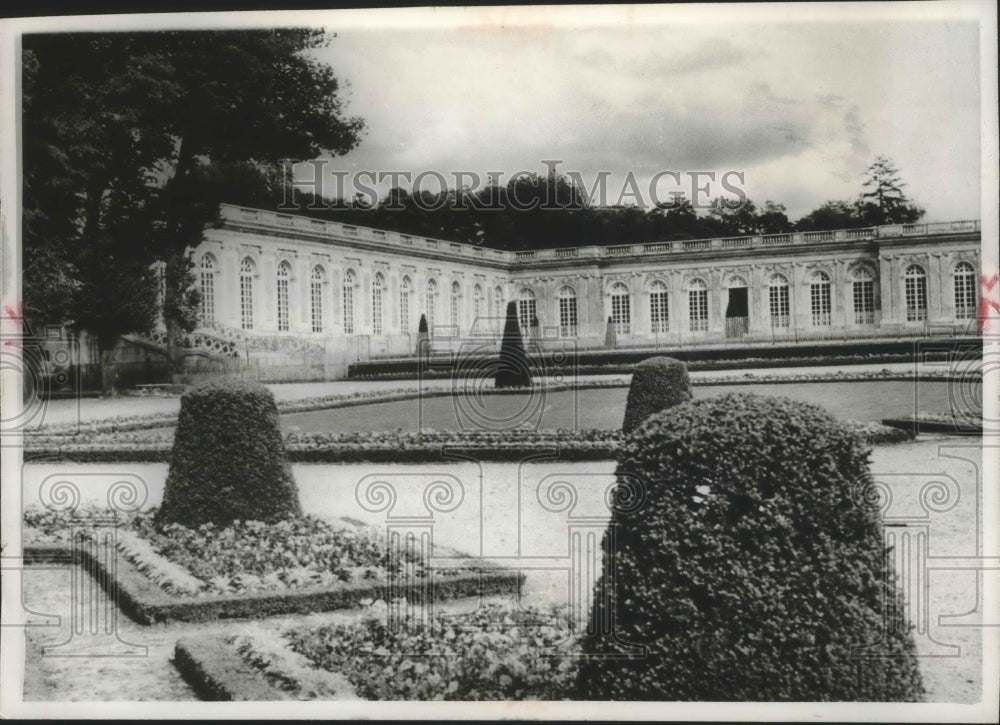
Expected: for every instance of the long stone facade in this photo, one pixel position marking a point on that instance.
(274, 282)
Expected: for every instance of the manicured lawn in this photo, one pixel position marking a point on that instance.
(605, 408)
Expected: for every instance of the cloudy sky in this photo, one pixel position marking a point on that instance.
(799, 105)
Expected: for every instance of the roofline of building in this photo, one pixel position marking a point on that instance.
(274, 223)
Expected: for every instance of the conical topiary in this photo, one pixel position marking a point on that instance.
(658, 383)
(751, 565)
(423, 338)
(610, 337)
(513, 370)
(228, 460)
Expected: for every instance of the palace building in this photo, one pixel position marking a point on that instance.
(279, 289)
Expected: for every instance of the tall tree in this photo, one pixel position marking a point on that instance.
(884, 201)
(121, 131)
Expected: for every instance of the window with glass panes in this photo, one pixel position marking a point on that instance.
(477, 305)
(863, 292)
(430, 303)
(378, 287)
(915, 289)
(621, 309)
(567, 312)
(778, 305)
(404, 304)
(698, 305)
(283, 278)
(455, 304)
(965, 291)
(247, 270)
(659, 308)
(820, 301)
(316, 282)
(350, 282)
(207, 285)
(526, 310)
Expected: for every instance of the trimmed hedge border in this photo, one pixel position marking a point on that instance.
(146, 603)
(720, 358)
(916, 424)
(217, 672)
(403, 447)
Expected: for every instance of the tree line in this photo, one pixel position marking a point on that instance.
(547, 211)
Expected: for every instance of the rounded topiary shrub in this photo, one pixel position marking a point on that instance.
(658, 383)
(228, 460)
(753, 566)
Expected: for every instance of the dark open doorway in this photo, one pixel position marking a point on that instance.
(737, 312)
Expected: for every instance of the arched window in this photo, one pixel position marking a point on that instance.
(316, 282)
(350, 282)
(247, 272)
(965, 291)
(621, 309)
(526, 309)
(431, 303)
(207, 285)
(283, 278)
(477, 304)
(915, 284)
(454, 304)
(777, 296)
(863, 293)
(567, 311)
(698, 305)
(659, 308)
(498, 307)
(405, 290)
(378, 287)
(819, 299)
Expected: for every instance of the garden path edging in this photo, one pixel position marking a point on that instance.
(146, 603)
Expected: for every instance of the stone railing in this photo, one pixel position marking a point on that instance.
(409, 243)
(246, 340)
(769, 241)
(224, 341)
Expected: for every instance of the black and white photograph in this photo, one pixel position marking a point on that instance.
(601, 361)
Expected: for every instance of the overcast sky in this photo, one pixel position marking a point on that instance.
(800, 108)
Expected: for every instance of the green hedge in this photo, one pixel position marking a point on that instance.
(657, 384)
(228, 459)
(216, 671)
(753, 566)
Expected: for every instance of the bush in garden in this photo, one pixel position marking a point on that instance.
(513, 370)
(228, 459)
(658, 383)
(755, 567)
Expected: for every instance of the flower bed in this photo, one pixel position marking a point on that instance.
(250, 569)
(495, 653)
(245, 556)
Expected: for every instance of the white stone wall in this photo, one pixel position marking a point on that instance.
(589, 275)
